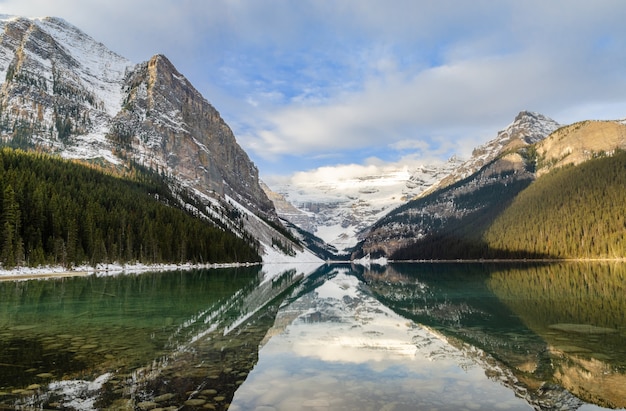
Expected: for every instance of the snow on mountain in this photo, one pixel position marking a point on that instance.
(498, 163)
(337, 203)
(52, 48)
(100, 68)
(65, 93)
(527, 128)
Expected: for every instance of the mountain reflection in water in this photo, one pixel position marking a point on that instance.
(338, 347)
(559, 328)
(402, 337)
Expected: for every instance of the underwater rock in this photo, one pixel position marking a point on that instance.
(582, 329)
(195, 402)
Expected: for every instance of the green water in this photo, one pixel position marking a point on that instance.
(84, 327)
(548, 335)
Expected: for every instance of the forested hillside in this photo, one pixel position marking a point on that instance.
(54, 211)
(572, 212)
(453, 237)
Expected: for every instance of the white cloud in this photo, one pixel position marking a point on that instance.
(424, 109)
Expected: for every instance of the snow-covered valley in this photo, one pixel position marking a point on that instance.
(338, 203)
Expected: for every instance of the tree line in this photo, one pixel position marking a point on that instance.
(54, 211)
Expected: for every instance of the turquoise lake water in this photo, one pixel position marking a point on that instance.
(400, 337)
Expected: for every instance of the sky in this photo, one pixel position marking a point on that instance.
(306, 84)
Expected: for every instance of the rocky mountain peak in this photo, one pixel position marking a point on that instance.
(527, 128)
(66, 93)
(168, 124)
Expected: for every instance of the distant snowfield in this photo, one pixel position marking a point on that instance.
(344, 200)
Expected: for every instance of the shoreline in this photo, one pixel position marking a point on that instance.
(517, 260)
(42, 273)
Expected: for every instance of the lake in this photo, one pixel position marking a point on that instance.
(337, 337)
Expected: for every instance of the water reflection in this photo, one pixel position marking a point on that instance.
(579, 310)
(338, 347)
(134, 342)
(403, 337)
(559, 328)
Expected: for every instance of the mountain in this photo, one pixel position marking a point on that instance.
(527, 128)
(579, 142)
(67, 94)
(463, 219)
(339, 204)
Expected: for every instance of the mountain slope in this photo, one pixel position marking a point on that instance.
(527, 128)
(67, 94)
(57, 212)
(59, 83)
(165, 121)
(579, 142)
(570, 212)
(460, 206)
(574, 209)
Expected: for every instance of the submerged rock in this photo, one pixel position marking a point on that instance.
(195, 402)
(164, 397)
(582, 329)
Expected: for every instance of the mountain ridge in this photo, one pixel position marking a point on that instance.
(527, 128)
(339, 204)
(346, 210)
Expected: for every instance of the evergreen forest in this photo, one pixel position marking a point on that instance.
(461, 237)
(573, 212)
(58, 212)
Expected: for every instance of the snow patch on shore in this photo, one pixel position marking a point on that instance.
(27, 273)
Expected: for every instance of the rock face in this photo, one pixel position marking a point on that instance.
(288, 211)
(66, 93)
(168, 123)
(58, 82)
(580, 142)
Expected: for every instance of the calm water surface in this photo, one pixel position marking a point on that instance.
(402, 337)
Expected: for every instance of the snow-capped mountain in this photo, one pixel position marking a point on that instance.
(497, 166)
(66, 93)
(527, 128)
(338, 203)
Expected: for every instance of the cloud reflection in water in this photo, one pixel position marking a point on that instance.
(338, 347)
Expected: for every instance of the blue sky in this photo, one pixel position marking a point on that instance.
(312, 83)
